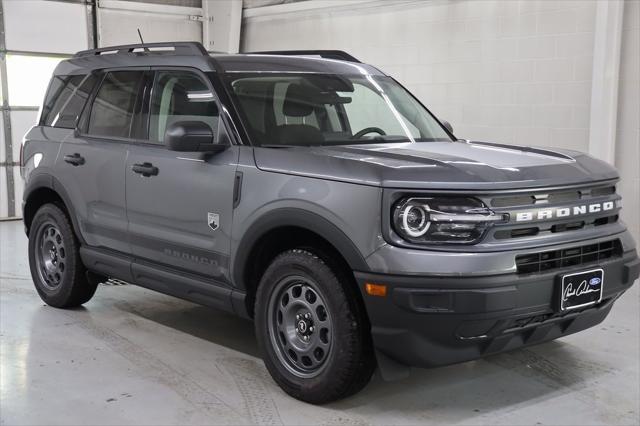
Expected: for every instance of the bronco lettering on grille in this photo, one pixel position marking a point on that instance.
(561, 212)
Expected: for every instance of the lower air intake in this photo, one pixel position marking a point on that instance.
(555, 259)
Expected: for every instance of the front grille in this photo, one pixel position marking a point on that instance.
(558, 196)
(554, 259)
(545, 213)
(554, 229)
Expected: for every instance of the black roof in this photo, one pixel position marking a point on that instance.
(193, 54)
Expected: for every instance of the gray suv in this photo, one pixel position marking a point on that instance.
(315, 195)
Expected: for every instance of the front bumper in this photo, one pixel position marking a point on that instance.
(428, 321)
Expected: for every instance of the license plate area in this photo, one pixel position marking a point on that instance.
(581, 289)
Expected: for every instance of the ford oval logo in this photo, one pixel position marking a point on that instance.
(594, 281)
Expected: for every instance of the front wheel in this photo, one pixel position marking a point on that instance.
(54, 258)
(313, 334)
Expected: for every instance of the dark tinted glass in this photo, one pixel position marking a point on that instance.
(60, 90)
(113, 107)
(180, 96)
(70, 113)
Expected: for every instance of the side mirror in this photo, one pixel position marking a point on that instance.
(191, 136)
(447, 126)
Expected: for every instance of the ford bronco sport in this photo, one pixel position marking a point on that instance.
(315, 195)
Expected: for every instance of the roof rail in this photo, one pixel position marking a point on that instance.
(327, 54)
(179, 48)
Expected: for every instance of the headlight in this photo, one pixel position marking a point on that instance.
(443, 220)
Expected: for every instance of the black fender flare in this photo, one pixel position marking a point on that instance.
(45, 180)
(282, 217)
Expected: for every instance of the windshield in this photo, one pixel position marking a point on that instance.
(327, 109)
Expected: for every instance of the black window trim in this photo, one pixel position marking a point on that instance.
(141, 109)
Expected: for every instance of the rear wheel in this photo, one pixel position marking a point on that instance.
(313, 333)
(54, 259)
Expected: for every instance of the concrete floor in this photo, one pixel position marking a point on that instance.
(131, 356)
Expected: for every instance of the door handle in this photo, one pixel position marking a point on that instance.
(74, 159)
(145, 169)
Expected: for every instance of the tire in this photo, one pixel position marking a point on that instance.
(54, 259)
(305, 308)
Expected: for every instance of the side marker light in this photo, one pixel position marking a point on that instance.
(379, 290)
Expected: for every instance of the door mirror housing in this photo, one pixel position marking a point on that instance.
(447, 126)
(191, 136)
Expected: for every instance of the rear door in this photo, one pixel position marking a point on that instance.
(180, 216)
(92, 160)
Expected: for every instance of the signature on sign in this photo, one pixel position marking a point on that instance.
(581, 289)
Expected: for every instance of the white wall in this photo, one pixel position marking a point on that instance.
(507, 71)
(39, 26)
(119, 21)
(215, 23)
(517, 71)
(628, 131)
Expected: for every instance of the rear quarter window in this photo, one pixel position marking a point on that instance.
(60, 90)
(65, 100)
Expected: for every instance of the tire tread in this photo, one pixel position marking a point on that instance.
(356, 358)
(78, 289)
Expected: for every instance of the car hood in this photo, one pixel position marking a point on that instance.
(437, 165)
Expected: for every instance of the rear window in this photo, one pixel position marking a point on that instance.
(113, 108)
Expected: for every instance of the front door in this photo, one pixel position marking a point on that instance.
(180, 210)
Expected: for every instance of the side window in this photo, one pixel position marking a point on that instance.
(180, 96)
(60, 90)
(113, 107)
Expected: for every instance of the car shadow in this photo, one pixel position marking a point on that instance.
(212, 325)
(446, 394)
(454, 393)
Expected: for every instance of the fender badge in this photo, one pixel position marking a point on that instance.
(213, 220)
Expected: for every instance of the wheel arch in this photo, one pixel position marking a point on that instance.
(286, 228)
(43, 189)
